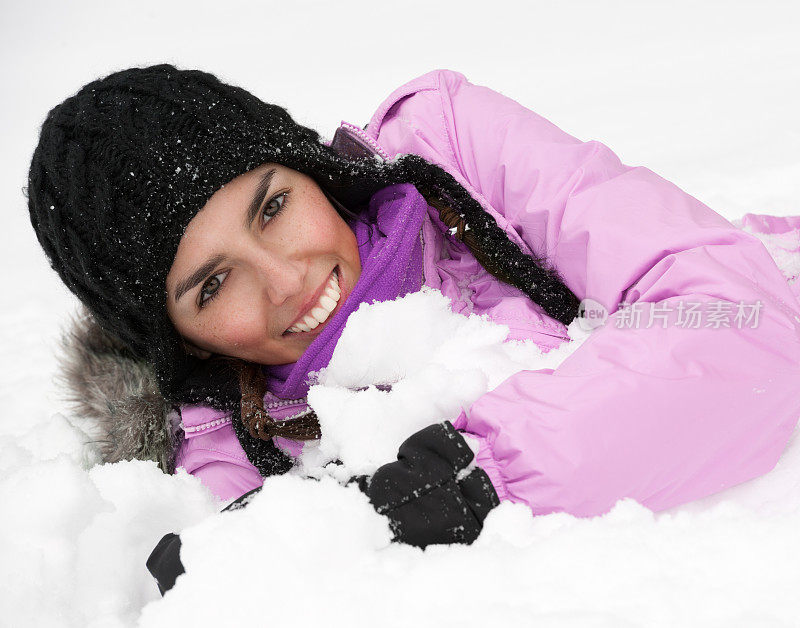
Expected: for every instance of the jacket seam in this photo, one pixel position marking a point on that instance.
(494, 471)
(387, 106)
(467, 185)
(450, 143)
(211, 450)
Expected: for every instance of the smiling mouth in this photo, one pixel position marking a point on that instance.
(322, 311)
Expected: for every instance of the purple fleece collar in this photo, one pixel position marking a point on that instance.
(391, 266)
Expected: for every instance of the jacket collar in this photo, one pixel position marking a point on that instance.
(354, 142)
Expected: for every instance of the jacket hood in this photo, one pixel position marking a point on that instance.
(115, 397)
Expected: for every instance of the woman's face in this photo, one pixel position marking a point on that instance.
(255, 261)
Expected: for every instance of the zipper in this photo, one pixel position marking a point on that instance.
(362, 135)
(202, 427)
(205, 426)
(285, 402)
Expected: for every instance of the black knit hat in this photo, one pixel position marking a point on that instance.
(123, 166)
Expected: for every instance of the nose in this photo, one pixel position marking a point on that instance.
(281, 277)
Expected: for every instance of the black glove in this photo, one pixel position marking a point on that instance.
(425, 502)
(164, 562)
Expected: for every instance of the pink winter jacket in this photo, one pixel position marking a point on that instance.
(664, 410)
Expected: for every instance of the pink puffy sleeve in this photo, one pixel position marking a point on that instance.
(211, 452)
(692, 387)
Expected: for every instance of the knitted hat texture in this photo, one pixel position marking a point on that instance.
(123, 166)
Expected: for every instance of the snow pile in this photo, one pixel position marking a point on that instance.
(81, 532)
(315, 554)
(75, 537)
(436, 363)
(73, 541)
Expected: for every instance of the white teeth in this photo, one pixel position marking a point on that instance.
(320, 312)
(328, 303)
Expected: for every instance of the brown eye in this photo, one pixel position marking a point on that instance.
(211, 286)
(273, 207)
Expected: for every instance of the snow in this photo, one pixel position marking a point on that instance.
(626, 569)
(703, 94)
(437, 363)
(71, 539)
(783, 247)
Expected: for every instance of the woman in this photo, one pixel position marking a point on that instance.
(202, 229)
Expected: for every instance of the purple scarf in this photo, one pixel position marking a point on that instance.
(391, 266)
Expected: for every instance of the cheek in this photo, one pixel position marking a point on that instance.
(330, 233)
(349, 245)
(235, 327)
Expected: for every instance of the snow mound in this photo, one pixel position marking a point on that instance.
(74, 541)
(75, 537)
(435, 363)
(307, 553)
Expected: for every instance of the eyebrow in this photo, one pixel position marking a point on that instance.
(197, 276)
(258, 197)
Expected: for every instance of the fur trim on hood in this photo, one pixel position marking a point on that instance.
(115, 397)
